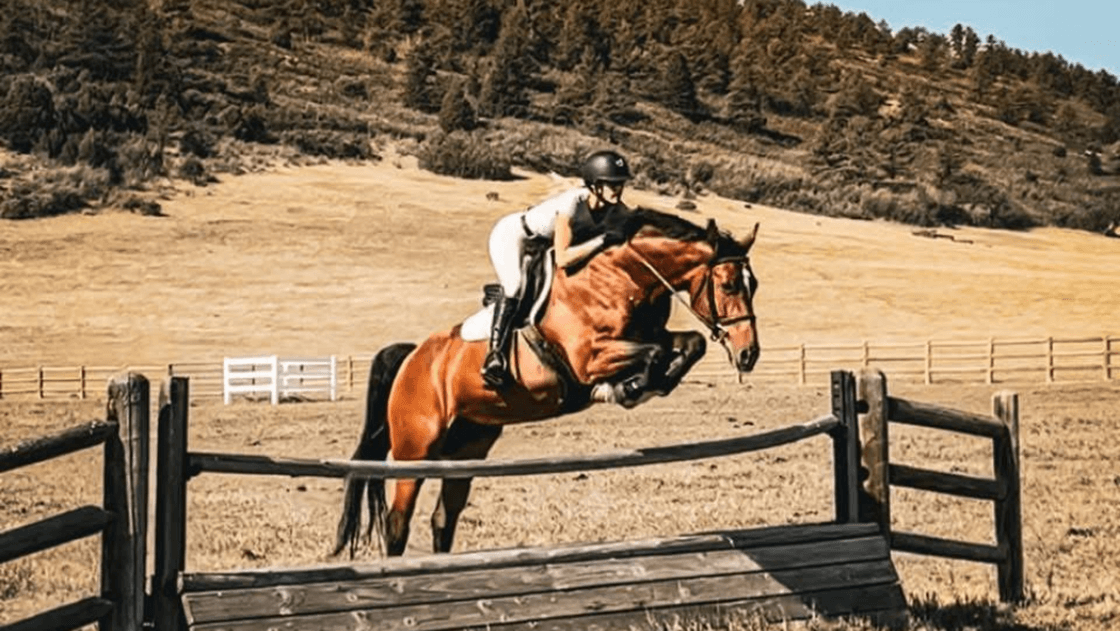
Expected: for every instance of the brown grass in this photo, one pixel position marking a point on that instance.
(341, 259)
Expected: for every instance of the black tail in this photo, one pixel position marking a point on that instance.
(374, 445)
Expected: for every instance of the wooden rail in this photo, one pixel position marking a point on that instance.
(121, 521)
(1002, 428)
(296, 467)
(990, 361)
(176, 464)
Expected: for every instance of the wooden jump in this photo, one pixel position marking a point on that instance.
(779, 573)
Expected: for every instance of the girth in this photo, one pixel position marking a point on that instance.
(574, 395)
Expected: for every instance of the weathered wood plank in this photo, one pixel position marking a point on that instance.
(539, 578)
(294, 467)
(947, 483)
(938, 417)
(37, 450)
(71, 616)
(53, 531)
(883, 605)
(633, 597)
(937, 546)
(402, 566)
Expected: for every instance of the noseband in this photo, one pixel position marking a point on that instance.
(716, 323)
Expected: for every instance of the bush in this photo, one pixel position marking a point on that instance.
(331, 144)
(29, 203)
(460, 154)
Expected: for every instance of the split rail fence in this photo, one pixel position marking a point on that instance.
(991, 361)
(862, 411)
(121, 520)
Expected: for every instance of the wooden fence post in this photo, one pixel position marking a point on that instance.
(929, 362)
(875, 493)
(124, 546)
(171, 503)
(845, 447)
(1009, 525)
(991, 360)
(1049, 360)
(1105, 359)
(801, 365)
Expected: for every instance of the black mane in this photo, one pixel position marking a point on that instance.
(673, 227)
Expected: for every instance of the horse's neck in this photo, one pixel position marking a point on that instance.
(616, 284)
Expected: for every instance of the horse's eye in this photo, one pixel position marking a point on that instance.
(730, 286)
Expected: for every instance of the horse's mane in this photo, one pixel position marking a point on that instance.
(672, 227)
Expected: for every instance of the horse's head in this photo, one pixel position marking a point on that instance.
(723, 296)
(715, 270)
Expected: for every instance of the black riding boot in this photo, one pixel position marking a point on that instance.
(495, 370)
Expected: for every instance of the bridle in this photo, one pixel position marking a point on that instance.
(716, 324)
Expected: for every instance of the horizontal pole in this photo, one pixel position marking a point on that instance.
(73, 616)
(947, 483)
(50, 447)
(53, 531)
(292, 467)
(937, 417)
(936, 546)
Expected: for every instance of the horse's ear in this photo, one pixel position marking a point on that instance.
(713, 232)
(748, 241)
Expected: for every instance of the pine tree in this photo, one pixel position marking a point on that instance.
(456, 113)
(504, 89)
(419, 90)
(676, 89)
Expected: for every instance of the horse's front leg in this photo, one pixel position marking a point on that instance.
(627, 372)
(686, 348)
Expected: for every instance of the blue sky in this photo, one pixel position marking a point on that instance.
(1081, 31)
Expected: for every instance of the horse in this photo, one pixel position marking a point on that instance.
(602, 338)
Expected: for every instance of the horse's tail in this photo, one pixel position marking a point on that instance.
(374, 445)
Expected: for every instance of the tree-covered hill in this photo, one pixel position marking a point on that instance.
(770, 101)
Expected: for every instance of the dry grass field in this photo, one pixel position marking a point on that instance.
(341, 258)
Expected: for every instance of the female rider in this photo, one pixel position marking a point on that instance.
(565, 219)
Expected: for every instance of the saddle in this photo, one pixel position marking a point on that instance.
(537, 267)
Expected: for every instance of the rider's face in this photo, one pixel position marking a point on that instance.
(610, 192)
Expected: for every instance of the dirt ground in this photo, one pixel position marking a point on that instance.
(342, 259)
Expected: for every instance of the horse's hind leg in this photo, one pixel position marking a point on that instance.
(465, 440)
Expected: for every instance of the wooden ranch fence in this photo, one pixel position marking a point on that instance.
(121, 521)
(1002, 428)
(835, 569)
(842, 568)
(991, 361)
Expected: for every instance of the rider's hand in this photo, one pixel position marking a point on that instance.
(613, 237)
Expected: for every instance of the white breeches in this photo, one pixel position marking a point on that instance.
(507, 241)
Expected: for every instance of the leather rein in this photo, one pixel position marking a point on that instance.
(717, 323)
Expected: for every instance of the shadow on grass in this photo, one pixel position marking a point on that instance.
(929, 614)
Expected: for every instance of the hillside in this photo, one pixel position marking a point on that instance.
(768, 101)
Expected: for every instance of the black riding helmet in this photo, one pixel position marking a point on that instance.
(605, 166)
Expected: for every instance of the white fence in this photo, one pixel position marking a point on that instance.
(279, 378)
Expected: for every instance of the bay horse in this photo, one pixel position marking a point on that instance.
(602, 339)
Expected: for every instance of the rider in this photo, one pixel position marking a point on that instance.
(565, 219)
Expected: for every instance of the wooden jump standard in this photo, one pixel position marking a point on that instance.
(780, 573)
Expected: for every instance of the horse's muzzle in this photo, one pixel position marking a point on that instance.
(747, 358)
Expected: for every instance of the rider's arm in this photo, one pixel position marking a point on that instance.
(568, 255)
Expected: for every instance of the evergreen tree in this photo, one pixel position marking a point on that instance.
(676, 89)
(505, 89)
(577, 34)
(419, 90)
(456, 113)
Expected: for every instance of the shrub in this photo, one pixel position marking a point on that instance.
(331, 144)
(460, 154)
